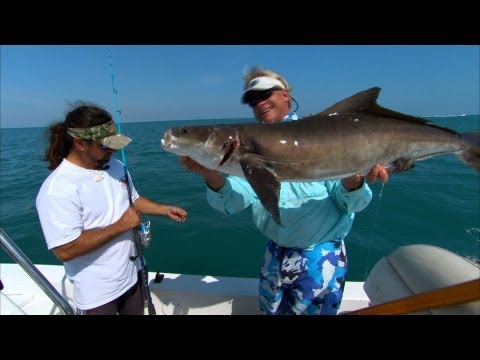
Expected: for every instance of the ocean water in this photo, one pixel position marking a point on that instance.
(436, 203)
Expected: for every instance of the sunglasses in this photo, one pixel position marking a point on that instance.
(103, 147)
(254, 97)
(100, 145)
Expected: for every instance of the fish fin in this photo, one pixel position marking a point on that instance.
(471, 155)
(264, 183)
(400, 165)
(366, 102)
(359, 102)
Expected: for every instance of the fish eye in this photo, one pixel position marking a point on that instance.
(184, 130)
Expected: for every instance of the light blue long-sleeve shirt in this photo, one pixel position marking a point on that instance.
(311, 212)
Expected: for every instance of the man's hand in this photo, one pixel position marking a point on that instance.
(356, 181)
(377, 172)
(214, 179)
(176, 213)
(192, 165)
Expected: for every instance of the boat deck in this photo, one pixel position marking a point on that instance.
(176, 294)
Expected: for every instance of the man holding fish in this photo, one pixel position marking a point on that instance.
(305, 260)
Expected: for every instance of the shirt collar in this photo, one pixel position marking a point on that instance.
(292, 115)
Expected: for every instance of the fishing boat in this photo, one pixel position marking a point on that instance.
(413, 279)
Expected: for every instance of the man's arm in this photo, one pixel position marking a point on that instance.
(228, 197)
(147, 206)
(215, 180)
(90, 240)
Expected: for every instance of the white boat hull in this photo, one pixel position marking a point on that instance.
(176, 294)
(409, 271)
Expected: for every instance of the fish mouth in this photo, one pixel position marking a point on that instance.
(167, 140)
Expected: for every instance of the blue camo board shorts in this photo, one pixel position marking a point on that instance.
(303, 281)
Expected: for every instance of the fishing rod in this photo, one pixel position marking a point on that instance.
(138, 243)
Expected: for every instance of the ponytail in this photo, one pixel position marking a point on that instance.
(60, 144)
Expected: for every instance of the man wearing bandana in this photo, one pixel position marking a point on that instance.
(85, 213)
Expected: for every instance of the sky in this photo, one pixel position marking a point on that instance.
(185, 82)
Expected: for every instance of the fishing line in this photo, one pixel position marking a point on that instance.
(136, 234)
(370, 238)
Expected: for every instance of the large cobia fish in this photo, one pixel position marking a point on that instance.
(348, 138)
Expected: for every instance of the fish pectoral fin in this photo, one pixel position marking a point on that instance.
(400, 165)
(264, 183)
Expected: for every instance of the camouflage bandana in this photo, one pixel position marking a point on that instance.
(94, 133)
(106, 134)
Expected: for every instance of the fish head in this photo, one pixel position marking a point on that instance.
(184, 140)
(210, 146)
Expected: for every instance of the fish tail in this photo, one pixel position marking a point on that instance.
(471, 153)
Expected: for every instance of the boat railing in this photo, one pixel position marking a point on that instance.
(21, 259)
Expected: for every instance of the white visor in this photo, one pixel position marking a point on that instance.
(262, 83)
